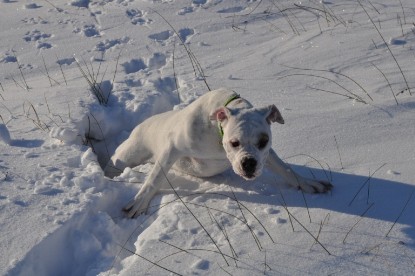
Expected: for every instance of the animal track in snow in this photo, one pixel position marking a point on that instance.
(232, 10)
(7, 57)
(165, 85)
(185, 34)
(38, 37)
(185, 10)
(111, 43)
(35, 35)
(34, 20)
(43, 45)
(162, 36)
(138, 17)
(134, 66)
(157, 61)
(30, 6)
(199, 2)
(80, 3)
(66, 61)
(88, 31)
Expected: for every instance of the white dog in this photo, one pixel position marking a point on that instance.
(217, 131)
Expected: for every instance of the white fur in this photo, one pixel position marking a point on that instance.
(189, 140)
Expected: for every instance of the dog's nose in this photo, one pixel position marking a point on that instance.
(249, 165)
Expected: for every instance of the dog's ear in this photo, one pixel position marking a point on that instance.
(272, 114)
(220, 114)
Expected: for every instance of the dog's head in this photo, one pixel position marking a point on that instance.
(247, 137)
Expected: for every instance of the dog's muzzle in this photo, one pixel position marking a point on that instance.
(249, 166)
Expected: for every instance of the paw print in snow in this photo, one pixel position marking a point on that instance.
(38, 37)
(35, 35)
(88, 31)
(137, 17)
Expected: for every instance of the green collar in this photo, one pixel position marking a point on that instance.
(228, 101)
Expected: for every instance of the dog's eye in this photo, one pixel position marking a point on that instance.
(263, 142)
(235, 143)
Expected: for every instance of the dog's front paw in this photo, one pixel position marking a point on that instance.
(315, 186)
(136, 207)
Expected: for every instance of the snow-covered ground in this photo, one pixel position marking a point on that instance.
(341, 72)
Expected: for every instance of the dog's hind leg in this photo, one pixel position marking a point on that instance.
(129, 154)
(278, 166)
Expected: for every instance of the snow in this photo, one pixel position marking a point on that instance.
(331, 67)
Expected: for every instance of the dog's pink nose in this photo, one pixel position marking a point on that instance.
(249, 166)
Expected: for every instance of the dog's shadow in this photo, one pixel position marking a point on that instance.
(376, 198)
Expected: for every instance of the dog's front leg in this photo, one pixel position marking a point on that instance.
(153, 183)
(307, 185)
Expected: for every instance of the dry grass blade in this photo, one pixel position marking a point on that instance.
(56, 8)
(355, 97)
(400, 214)
(194, 61)
(246, 221)
(35, 120)
(354, 225)
(123, 246)
(389, 84)
(188, 250)
(46, 69)
(190, 211)
(338, 151)
(91, 78)
(332, 72)
(221, 227)
(174, 71)
(328, 176)
(306, 205)
(284, 204)
(364, 183)
(60, 66)
(322, 223)
(287, 18)
(315, 239)
(153, 263)
(26, 86)
(387, 45)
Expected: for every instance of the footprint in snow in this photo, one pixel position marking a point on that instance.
(185, 10)
(162, 36)
(8, 58)
(199, 2)
(38, 38)
(157, 61)
(165, 85)
(34, 20)
(30, 6)
(232, 10)
(66, 61)
(35, 35)
(111, 44)
(88, 31)
(43, 45)
(201, 264)
(185, 34)
(134, 66)
(80, 3)
(138, 17)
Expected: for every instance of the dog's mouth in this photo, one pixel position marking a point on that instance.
(249, 176)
